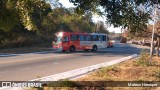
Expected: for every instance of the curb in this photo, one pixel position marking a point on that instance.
(74, 73)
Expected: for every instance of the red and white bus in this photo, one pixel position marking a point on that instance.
(73, 41)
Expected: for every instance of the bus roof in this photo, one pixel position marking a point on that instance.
(98, 34)
(68, 33)
(72, 32)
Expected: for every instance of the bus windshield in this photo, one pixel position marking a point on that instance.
(58, 39)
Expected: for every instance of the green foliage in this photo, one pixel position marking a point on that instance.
(9, 15)
(28, 12)
(109, 68)
(125, 13)
(104, 70)
(67, 20)
(32, 13)
(63, 83)
(31, 22)
(143, 59)
(20, 37)
(25, 41)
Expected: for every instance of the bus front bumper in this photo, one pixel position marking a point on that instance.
(57, 49)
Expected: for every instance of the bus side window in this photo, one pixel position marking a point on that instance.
(65, 39)
(81, 37)
(100, 38)
(77, 37)
(94, 38)
(74, 37)
(88, 38)
(104, 38)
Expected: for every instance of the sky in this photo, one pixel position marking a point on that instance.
(67, 4)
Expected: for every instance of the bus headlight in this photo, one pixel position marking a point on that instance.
(113, 41)
(60, 34)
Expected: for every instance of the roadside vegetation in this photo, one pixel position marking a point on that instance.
(132, 70)
(32, 23)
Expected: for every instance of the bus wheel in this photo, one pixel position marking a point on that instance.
(72, 49)
(86, 50)
(94, 48)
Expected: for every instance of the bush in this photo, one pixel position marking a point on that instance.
(25, 41)
(143, 59)
(103, 72)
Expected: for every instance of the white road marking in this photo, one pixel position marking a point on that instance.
(26, 68)
(55, 63)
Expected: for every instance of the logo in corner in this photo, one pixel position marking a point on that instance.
(6, 84)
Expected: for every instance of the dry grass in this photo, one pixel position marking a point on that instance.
(127, 71)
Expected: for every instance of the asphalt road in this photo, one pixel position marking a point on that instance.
(22, 67)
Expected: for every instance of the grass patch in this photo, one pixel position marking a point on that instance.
(132, 70)
(143, 59)
(157, 74)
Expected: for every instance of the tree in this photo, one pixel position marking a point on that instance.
(123, 13)
(132, 15)
(18, 16)
(39, 19)
(28, 12)
(101, 28)
(9, 15)
(67, 20)
(156, 36)
(32, 13)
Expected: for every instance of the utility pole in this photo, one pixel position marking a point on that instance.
(151, 49)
